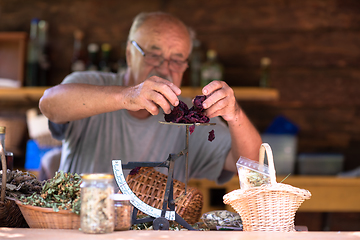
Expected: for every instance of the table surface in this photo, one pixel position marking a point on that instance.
(45, 234)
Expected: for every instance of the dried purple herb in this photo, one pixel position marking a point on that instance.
(182, 114)
(211, 135)
(134, 171)
(192, 129)
(198, 102)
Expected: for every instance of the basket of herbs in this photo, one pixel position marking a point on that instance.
(57, 206)
(14, 184)
(264, 204)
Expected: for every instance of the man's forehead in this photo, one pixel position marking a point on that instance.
(163, 41)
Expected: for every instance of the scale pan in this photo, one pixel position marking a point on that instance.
(187, 124)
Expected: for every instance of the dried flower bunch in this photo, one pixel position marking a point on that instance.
(256, 179)
(182, 114)
(62, 192)
(20, 184)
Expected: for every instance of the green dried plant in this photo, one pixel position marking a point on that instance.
(62, 192)
(256, 179)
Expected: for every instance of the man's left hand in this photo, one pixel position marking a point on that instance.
(220, 101)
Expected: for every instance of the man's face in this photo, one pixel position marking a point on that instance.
(166, 40)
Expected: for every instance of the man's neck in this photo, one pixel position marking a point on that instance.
(127, 80)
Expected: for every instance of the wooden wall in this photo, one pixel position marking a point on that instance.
(314, 46)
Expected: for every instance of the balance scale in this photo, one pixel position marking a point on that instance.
(159, 217)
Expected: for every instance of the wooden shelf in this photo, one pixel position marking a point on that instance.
(328, 193)
(24, 94)
(241, 93)
(33, 94)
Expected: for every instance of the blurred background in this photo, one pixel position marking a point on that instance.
(308, 51)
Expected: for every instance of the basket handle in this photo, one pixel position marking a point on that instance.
(3, 164)
(265, 147)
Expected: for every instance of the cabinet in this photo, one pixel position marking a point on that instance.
(12, 55)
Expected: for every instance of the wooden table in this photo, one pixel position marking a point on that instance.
(46, 234)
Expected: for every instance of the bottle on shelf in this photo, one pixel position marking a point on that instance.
(78, 61)
(93, 50)
(104, 64)
(195, 64)
(9, 156)
(44, 63)
(265, 63)
(32, 61)
(212, 69)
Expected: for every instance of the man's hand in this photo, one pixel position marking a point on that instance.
(151, 94)
(220, 101)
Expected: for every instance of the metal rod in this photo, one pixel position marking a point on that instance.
(187, 157)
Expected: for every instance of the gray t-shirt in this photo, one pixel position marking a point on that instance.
(90, 144)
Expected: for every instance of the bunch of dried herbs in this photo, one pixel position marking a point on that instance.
(62, 192)
(20, 184)
(173, 226)
(257, 179)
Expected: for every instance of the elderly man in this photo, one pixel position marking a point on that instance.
(105, 116)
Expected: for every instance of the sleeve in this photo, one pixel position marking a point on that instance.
(58, 130)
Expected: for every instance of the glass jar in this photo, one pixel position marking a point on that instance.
(123, 211)
(97, 206)
(9, 156)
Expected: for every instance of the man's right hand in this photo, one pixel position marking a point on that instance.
(154, 92)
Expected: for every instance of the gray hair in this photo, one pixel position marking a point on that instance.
(141, 18)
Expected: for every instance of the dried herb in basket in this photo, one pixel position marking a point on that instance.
(20, 184)
(62, 192)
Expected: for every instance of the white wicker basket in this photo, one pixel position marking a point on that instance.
(269, 207)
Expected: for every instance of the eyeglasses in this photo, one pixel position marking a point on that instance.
(157, 60)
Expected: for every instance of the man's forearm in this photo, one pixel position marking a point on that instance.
(245, 141)
(68, 102)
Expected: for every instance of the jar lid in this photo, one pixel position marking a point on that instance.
(121, 197)
(94, 176)
(2, 129)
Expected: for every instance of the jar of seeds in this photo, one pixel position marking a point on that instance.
(97, 205)
(123, 211)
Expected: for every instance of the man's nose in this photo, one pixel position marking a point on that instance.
(164, 68)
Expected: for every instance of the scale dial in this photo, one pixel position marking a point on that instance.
(136, 202)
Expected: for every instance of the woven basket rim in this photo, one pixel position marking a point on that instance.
(42, 209)
(278, 187)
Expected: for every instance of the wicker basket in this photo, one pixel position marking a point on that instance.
(269, 207)
(10, 214)
(39, 217)
(149, 186)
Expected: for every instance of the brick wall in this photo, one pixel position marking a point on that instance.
(313, 45)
